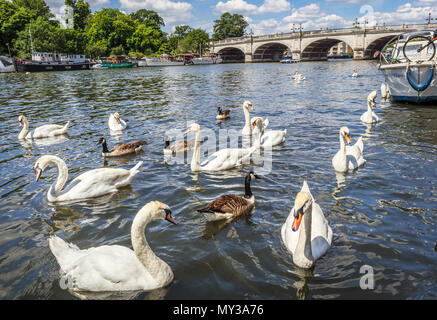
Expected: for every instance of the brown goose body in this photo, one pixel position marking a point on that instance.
(179, 146)
(121, 149)
(223, 114)
(230, 206)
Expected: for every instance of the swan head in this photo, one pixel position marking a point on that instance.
(302, 203)
(194, 127)
(21, 120)
(161, 211)
(117, 117)
(41, 164)
(248, 105)
(344, 132)
(257, 122)
(371, 98)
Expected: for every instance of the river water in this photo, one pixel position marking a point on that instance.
(383, 215)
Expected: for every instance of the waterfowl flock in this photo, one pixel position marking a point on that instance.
(306, 233)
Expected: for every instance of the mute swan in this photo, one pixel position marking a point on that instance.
(222, 114)
(348, 157)
(247, 129)
(354, 74)
(306, 232)
(115, 123)
(298, 76)
(385, 92)
(269, 138)
(229, 205)
(121, 149)
(93, 183)
(47, 130)
(369, 116)
(221, 160)
(114, 267)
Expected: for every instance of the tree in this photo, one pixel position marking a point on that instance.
(143, 15)
(13, 19)
(182, 31)
(81, 13)
(38, 8)
(117, 51)
(229, 25)
(98, 49)
(146, 39)
(197, 40)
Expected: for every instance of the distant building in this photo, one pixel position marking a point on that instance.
(69, 17)
(340, 48)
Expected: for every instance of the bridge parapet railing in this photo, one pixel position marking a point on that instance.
(406, 27)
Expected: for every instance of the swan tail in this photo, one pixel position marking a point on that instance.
(360, 144)
(266, 123)
(65, 128)
(65, 253)
(135, 170)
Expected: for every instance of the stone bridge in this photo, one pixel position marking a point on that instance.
(310, 45)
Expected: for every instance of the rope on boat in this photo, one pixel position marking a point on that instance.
(423, 85)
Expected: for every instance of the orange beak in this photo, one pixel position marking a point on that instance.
(251, 107)
(253, 125)
(21, 124)
(38, 173)
(296, 222)
(347, 138)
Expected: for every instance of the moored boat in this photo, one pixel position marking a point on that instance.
(408, 63)
(43, 61)
(164, 60)
(118, 62)
(210, 59)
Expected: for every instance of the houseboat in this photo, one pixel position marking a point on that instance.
(43, 61)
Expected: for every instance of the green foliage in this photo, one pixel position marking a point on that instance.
(197, 40)
(37, 8)
(135, 54)
(229, 25)
(145, 39)
(98, 49)
(144, 16)
(117, 51)
(81, 12)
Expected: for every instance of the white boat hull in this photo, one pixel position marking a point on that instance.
(416, 85)
(199, 61)
(156, 62)
(142, 63)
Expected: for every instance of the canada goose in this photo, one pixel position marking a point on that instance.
(47, 130)
(223, 114)
(115, 267)
(121, 149)
(178, 147)
(229, 205)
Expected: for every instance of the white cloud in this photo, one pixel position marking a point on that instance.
(172, 12)
(243, 7)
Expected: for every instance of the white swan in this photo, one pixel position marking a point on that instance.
(47, 130)
(348, 157)
(385, 92)
(223, 159)
(354, 74)
(369, 116)
(306, 232)
(115, 123)
(247, 129)
(298, 76)
(268, 138)
(93, 183)
(114, 267)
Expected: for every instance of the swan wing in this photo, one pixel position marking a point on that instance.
(321, 232)
(49, 130)
(273, 137)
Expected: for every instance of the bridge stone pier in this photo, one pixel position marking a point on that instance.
(310, 45)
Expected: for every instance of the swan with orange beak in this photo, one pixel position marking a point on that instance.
(348, 158)
(306, 232)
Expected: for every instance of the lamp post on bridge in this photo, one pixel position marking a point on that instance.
(429, 18)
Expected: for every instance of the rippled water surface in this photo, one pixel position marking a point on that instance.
(383, 215)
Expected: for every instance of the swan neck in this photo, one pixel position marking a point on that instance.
(369, 112)
(62, 172)
(303, 248)
(247, 118)
(195, 161)
(25, 129)
(154, 265)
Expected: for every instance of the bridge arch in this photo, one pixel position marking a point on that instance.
(318, 49)
(376, 45)
(232, 54)
(269, 52)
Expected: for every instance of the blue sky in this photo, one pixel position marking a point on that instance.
(272, 16)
